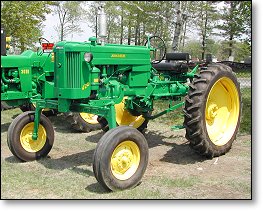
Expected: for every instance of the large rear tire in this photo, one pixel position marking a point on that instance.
(212, 111)
(120, 158)
(19, 137)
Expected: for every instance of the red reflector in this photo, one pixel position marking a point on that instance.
(47, 46)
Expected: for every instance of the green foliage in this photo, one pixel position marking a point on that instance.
(236, 22)
(204, 18)
(130, 21)
(193, 47)
(23, 20)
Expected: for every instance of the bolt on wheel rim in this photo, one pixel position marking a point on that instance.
(222, 111)
(26, 140)
(125, 160)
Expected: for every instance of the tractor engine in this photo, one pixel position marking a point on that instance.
(101, 71)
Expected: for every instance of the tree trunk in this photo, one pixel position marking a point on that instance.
(129, 32)
(136, 30)
(230, 45)
(121, 36)
(177, 31)
(62, 22)
(204, 36)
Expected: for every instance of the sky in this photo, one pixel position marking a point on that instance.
(51, 35)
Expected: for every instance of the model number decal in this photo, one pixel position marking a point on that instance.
(85, 86)
(118, 55)
(25, 71)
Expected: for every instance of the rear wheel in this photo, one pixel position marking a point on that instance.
(124, 117)
(19, 137)
(84, 122)
(212, 111)
(120, 158)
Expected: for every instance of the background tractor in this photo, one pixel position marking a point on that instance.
(29, 76)
(94, 77)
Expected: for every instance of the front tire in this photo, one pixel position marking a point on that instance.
(19, 137)
(213, 110)
(120, 158)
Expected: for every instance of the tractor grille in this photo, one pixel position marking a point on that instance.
(73, 65)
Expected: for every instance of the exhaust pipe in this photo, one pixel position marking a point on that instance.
(102, 26)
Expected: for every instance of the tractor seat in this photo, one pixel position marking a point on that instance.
(175, 67)
(178, 67)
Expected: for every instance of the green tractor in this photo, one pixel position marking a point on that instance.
(30, 76)
(120, 84)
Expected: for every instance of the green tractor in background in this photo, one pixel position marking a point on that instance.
(29, 76)
(120, 84)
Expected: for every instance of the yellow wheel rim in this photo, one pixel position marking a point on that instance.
(89, 118)
(26, 140)
(123, 117)
(125, 160)
(222, 111)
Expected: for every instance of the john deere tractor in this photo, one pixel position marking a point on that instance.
(30, 76)
(94, 77)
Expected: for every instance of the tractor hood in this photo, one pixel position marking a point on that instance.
(26, 59)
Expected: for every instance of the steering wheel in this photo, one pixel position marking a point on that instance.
(158, 49)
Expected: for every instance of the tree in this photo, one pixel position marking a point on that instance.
(236, 16)
(70, 14)
(23, 20)
(205, 20)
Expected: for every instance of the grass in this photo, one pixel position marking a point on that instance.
(243, 73)
(176, 182)
(246, 118)
(67, 173)
(172, 118)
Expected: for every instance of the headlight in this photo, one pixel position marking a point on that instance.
(88, 57)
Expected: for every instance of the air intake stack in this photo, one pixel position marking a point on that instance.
(102, 26)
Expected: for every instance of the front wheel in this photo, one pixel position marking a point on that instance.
(19, 137)
(120, 158)
(212, 111)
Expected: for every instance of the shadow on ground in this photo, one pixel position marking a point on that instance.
(4, 127)
(180, 152)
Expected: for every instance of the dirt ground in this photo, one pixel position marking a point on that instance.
(174, 170)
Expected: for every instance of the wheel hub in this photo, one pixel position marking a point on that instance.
(222, 111)
(211, 111)
(125, 160)
(26, 140)
(122, 160)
